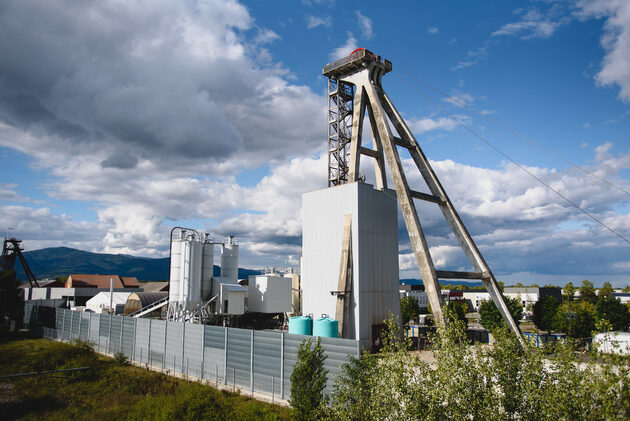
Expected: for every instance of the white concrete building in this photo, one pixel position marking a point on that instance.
(269, 294)
(101, 302)
(374, 254)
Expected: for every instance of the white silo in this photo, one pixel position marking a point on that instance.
(229, 259)
(175, 275)
(190, 284)
(208, 269)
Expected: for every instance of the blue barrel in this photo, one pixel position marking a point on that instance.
(301, 325)
(325, 327)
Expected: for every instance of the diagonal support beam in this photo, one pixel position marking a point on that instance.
(344, 284)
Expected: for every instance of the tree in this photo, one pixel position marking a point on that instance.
(576, 319)
(456, 310)
(605, 291)
(308, 380)
(545, 312)
(613, 311)
(491, 318)
(568, 293)
(409, 308)
(587, 292)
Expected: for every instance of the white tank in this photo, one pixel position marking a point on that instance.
(208, 270)
(190, 286)
(229, 260)
(175, 275)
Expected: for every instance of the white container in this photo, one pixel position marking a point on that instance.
(229, 260)
(208, 271)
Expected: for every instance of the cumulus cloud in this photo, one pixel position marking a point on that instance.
(365, 24)
(533, 24)
(171, 83)
(315, 21)
(615, 68)
(432, 30)
(345, 49)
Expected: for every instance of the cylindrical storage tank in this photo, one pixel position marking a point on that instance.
(207, 271)
(229, 260)
(301, 325)
(175, 275)
(326, 327)
(190, 286)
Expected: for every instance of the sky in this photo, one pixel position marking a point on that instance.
(122, 119)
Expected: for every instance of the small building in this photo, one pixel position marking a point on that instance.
(101, 302)
(417, 291)
(269, 294)
(230, 296)
(139, 300)
(76, 280)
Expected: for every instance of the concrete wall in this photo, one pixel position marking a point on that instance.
(374, 251)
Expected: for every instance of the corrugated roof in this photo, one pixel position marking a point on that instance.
(154, 286)
(78, 280)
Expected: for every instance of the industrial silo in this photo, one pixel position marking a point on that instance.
(229, 259)
(208, 269)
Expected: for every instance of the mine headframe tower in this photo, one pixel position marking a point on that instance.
(12, 249)
(360, 74)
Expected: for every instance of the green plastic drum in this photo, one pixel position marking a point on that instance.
(301, 325)
(325, 327)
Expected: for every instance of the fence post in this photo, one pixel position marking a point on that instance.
(216, 375)
(225, 346)
(149, 345)
(122, 325)
(109, 339)
(164, 353)
(63, 326)
(71, 324)
(183, 345)
(80, 322)
(89, 336)
(133, 344)
(273, 387)
(203, 349)
(98, 332)
(251, 362)
(282, 365)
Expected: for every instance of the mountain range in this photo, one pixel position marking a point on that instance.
(62, 261)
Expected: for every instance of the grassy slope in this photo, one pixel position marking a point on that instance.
(109, 390)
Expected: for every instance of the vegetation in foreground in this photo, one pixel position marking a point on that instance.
(503, 382)
(110, 390)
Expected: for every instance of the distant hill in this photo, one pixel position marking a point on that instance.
(414, 281)
(62, 261)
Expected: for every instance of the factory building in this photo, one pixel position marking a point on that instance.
(374, 255)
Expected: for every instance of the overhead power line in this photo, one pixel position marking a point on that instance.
(515, 133)
(487, 142)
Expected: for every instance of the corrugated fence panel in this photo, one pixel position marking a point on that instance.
(129, 325)
(75, 324)
(141, 350)
(84, 329)
(267, 362)
(93, 330)
(291, 343)
(337, 351)
(156, 346)
(214, 352)
(116, 333)
(193, 348)
(239, 357)
(59, 324)
(173, 358)
(103, 332)
(67, 325)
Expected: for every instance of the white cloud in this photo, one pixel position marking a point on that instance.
(345, 49)
(426, 124)
(533, 24)
(472, 57)
(365, 24)
(432, 30)
(615, 68)
(315, 21)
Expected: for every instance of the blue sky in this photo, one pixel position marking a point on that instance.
(120, 120)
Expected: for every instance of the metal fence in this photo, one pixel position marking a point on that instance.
(251, 360)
